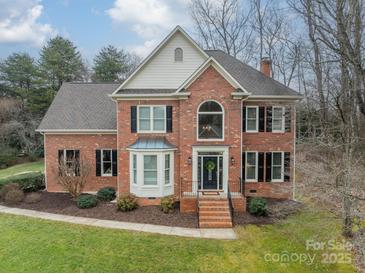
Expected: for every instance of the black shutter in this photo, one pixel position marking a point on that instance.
(168, 118)
(98, 162)
(261, 119)
(244, 119)
(286, 166)
(268, 166)
(115, 162)
(243, 166)
(261, 167)
(287, 119)
(133, 118)
(269, 119)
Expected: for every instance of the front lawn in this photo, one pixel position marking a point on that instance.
(31, 245)
(22, 169)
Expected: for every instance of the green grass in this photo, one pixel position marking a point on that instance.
(31, 245)
(21, 169)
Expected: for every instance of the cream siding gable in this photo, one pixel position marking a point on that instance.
(162, 71)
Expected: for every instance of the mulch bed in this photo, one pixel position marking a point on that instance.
(277, 210)
(61, 203)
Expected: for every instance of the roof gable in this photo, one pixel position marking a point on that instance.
(160, 71)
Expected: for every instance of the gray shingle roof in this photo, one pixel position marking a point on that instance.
(251, 79)
(151, 143)
(81, 106)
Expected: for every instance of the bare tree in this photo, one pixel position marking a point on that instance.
(223, 24)
(72, 175)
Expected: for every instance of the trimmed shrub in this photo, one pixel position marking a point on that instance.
(87, 201)
(127, 203)
(258, 206)
(14, 196)
(29, 182)
(32, 198)
(168, 204)
(6, 188)
(106, 194)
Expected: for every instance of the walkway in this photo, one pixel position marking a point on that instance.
(223, 234)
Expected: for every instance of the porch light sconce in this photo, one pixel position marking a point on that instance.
(189, 160)
(233, 161)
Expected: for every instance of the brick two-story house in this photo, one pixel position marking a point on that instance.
(199, 125)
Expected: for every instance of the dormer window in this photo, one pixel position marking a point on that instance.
(179, 55)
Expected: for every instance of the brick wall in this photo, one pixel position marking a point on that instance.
(87, 144)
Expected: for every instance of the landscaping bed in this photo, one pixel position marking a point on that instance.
(61, 203)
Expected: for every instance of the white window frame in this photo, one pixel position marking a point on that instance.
(256, 167)
(282, 167)
(209, 112)
(151, 119)
(134, 177)
(157, 168)
(160, 169)
(282, 119)
(257, 119)
(182, 55)
(102, 162)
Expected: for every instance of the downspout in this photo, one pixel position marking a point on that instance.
(294, 151)
(243, 99)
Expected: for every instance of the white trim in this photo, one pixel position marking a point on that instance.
(197, 121)
(222, 149)
(77, 131)
(274, 97)
(256, 167)
(149, 57)
(154, 96)
(117, 113)
(257, 119)
(282, 167)
(102, 163)
(151, 150)
(45, 161)
(282, 119)
(151, 119)
(294, 152)
(211, 62)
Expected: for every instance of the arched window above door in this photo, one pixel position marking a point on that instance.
(210, 121)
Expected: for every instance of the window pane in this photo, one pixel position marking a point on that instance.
(150, 162)
(70, 155)
(251, 113)
(277, 113)
(276, 173)
(210, 107)
(159, 125)
(167, 161)
(107, 155)
(134, 169)
(144, 124)
(277, 124)
(107, 168)
(276, 161)
(150, 177)
(251, 159)
(167, 176)
(144, 112)
(158, 112)
(210, 126)
(251, 125)
(251, 173)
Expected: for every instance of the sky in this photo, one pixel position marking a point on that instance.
(134, 25)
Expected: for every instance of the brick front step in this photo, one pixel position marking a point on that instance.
(215, 224)
(214, 213)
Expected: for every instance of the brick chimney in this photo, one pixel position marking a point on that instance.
(265, 66)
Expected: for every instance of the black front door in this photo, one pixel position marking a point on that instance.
(210, 174)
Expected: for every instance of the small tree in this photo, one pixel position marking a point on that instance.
(72, 175)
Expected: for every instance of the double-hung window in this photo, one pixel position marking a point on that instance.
(69, 160)
(106, 162)
(252, 121)
(251, 166)
(150, 170)
(277, 167)
(152, 119)
(278, 119)
(167, 169)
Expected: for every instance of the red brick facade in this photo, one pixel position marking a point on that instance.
(209, 86)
